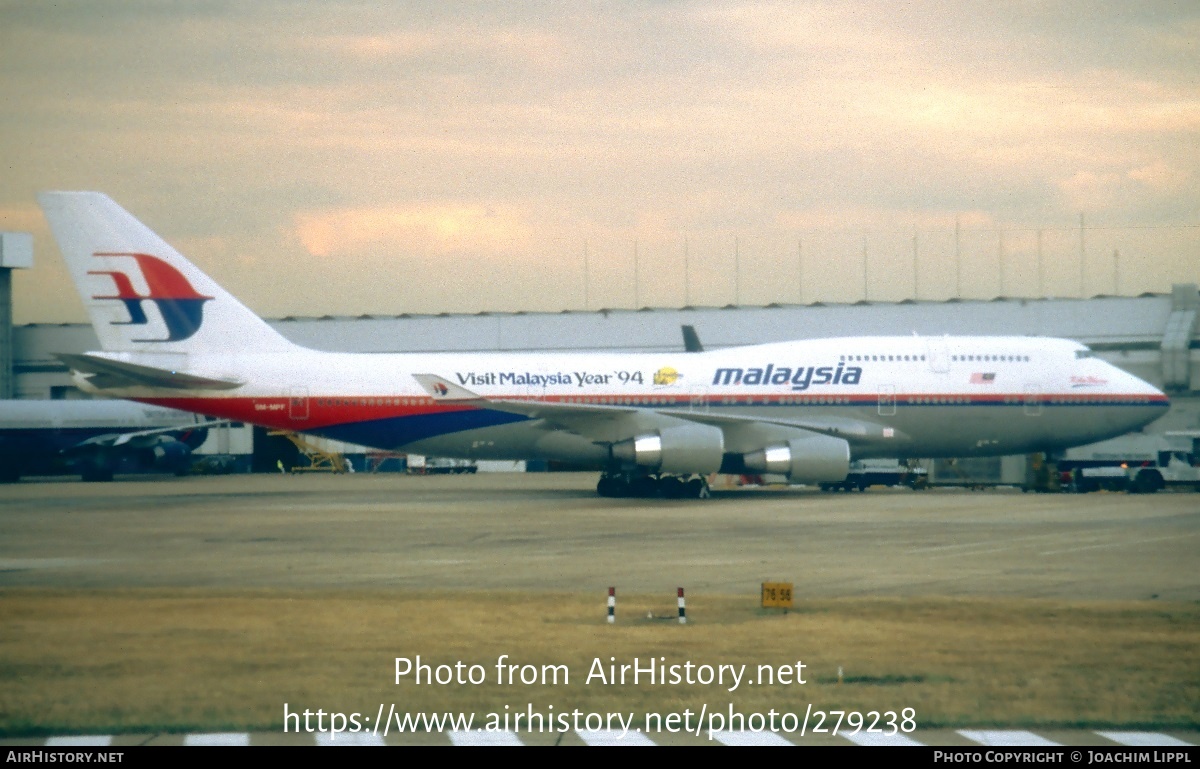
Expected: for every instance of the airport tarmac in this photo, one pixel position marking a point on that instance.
(552, 532)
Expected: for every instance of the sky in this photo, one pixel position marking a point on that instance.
(347, 158)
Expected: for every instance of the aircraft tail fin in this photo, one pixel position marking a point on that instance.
(141, 294)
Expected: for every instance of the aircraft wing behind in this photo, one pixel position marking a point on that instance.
(144, 438)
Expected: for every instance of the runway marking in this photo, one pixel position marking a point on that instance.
(612, 737)
(748, 739)
(874, 739)
(998, 738)
(80, 741)
(1007, 739)
(1120, 543)
(218, 738)
(349, 739)
(479, 737)
(1144, 739)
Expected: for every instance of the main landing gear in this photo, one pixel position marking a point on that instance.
(665, 486)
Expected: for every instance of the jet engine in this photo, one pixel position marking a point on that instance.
(818, 458)
(692, 448)
(169, 454)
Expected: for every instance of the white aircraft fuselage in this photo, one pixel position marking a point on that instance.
(886, 396)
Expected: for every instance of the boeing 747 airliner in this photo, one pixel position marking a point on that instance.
(654, 423)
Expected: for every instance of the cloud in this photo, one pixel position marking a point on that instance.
(1160, 177)
(367, 131)
(1091, 191)
(422, 228)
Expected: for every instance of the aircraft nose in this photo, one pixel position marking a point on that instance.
(1157, 396)
(1156, 402)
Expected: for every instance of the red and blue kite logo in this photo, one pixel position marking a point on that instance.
(181, 308)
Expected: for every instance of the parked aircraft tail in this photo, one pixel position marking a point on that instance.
(142, 294)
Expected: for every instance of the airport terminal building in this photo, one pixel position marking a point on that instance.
(1153, 336)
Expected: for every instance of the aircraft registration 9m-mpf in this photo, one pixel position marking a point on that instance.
(655, 423)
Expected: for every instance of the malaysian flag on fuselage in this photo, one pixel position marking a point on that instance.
(988, 378)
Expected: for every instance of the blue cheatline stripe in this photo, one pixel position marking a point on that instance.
(399, 431)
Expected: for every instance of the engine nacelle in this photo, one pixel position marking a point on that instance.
(816, 459)
(683, 449)
(168, 454)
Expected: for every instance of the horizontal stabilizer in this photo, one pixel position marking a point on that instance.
(112, 374)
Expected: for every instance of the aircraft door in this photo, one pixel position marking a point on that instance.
(1033, 400)
(298, 403)
(698, 400)
(939, 356)
(887, 400)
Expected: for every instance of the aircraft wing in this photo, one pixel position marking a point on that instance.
(142, 438)
(598, 422)
(606, 423)
(167, 448)
(106, 373)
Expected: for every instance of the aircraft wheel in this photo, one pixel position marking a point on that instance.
(643, 486)
(697, 488)
(1148, 482)
(608, 486)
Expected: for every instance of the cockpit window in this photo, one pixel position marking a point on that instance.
(1085, 353)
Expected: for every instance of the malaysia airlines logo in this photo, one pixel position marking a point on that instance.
(181, 307)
